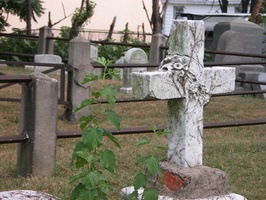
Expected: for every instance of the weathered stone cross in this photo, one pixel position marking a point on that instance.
(183, 80)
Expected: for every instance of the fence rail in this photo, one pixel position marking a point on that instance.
(135, 130)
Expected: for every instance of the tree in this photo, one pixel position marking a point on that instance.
(223, 5)
(156, 20)
(80, 17)
(255, 10)
(24, 9)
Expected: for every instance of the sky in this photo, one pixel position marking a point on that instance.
(130, 11)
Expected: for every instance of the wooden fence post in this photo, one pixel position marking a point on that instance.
(38, 120)
(79, 59)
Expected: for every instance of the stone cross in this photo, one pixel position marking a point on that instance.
(188, 86)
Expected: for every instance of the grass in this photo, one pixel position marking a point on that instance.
(239, 151)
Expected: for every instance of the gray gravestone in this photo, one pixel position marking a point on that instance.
(262, 78)
(46, 58)
(133, 56)
(254, 76)
(252, 35)
(241, 36)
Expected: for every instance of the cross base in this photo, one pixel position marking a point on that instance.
(195, 183)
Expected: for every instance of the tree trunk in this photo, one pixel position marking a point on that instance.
(111, 29)
(223, 5)
(156, 18)
(28, 21)
(245, 4)
(256, 6)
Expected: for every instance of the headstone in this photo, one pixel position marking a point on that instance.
(38, 120)
(79, 51)
(94, 55)
(252, 35)
(121, 60)
(241, 36)
(132, 56)
(3, 65)
(188, 86)
(256, 77)
(26, 195)
(46, 58)
(262, 78)
(93, 52)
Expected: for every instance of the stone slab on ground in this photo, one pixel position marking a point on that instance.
(26, 195)
(231, 196)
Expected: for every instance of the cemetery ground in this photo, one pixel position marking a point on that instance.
(239, 151)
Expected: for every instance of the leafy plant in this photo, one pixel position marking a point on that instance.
(16, 45)
(87, 153)
(152, 163)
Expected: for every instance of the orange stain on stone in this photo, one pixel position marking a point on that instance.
(174, 182)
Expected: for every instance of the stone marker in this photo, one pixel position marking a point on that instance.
(187, 86)
(252, 35)
(38, 120)
(241, 36)
(46, 58)
(133, 56)
(26, 195)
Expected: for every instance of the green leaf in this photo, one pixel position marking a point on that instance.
(110, 93)
(150, 194)
(85, 103)
(161, 148)
(79, 147)
(80, 162)
(139, 181)
(76, 192)
(73, 179)
(164, 132)
(108, 159)
(143, 141)
(88, 195)
(92, 138)
(102, 61)
(96, 94)
(153, 165)
(133, 196)
(113, 118)
(93, 179)
(90, 77)
(114, 72)
(143, 159)
(86, 156)
(86, 121)
(110, 136)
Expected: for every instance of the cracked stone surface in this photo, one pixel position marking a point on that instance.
(188, 86)
(26, 195)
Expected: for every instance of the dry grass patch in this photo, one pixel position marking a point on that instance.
(239, 151)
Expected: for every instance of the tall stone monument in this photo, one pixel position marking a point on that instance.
(188, 86)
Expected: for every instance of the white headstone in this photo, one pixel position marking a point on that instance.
(46, 58)
(132, 56)
(188, 86)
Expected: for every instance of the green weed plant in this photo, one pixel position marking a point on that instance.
(92, 184)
